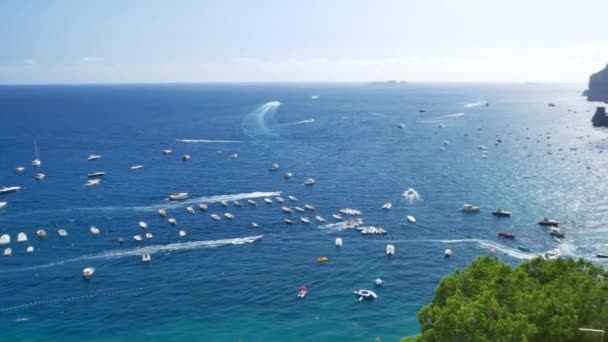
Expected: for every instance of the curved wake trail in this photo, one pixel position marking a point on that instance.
(204, 141)
(260, 122)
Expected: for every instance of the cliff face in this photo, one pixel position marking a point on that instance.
(598, 86)
(600, 118)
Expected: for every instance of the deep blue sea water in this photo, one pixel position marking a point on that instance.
(222, 283)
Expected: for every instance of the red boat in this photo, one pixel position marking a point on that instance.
(506, 235)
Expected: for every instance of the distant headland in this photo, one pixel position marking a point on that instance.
(598, 86)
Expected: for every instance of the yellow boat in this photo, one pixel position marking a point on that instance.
(322, 259)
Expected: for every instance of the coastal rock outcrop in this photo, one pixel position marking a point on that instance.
(598, 86)
(599, 118)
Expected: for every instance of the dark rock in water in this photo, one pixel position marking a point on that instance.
(598, 86)
(599, 118)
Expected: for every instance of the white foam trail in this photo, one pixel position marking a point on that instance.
(411, 195)
(258, 122)
(338, 226)
(513, 252)
(449, 116)
(474, 104)
(204, 141)
(307, 121)
(431, 121)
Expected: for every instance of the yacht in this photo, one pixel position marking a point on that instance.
(203, 207)
(216, 217)
(137, 238)
(37, 161)
(387, 206)
(145, 257)
(287, 210)
(251, 202)
(190, 209)
(2, 204)
(506, 235)
(96, 174)
(172, 221)
(165, 152)
(337, 217)
(21, 237)
(5, 239)
(255, 225)
(162, 212)
(62, 232)
(411, 218)
(288, 221)
(268, 200)
(8, 252)
(178, 196)
(309, 207)
(501, 213)
(87, 273)
(319, 219)
(298, 209)
(236, 203)
(143, 224)
(41, 233)
(186, 157)
(469, 208)
(229, 216)
(279, 199)
(94, 230)
(92, 182)
(447, 253)
(288, 175)
(19, 169)
(292, 198)
(304, 219)
(149, 236)
(94, 157)
(309, 181)
(136, 167)
(39, 176)
(7, 189)
(548, 222)
(274, 167)
(234, 156)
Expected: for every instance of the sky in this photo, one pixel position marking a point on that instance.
(116, 41)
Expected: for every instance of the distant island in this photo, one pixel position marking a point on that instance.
(388, 83)
(598, 86)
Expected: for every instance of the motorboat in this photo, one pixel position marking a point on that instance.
(149, 235)
(36, 161)
(2, 204)
(137, 238)
(299, 209)
(172, 221)
(8, 252)
(401, 125)
(349, 211)
(482, 147)
(421, 110)
(224, 203)
(165, 152)
(41, 233)
(190, 209)
(447, 253)
(548, 222)
(601, 256)
(288, 221)
(365, 294)
(182, 233)
(309, 207)
(506, 235)
(186, 157)
(143, 225)
(251, 202)
(146, 257)
(309, 181)
(255, 225)
(268, 200)
(274, 167)
(21, 237)
(5, 239)
(216, 217)
(94, 230)
(19, 169)
(7, 189)
(302, 292)
(411, 218)
(29, 249)
(62, 233)
(136, 167)
(88, 272)
(371, 230)
(178, 196)
(39, 176)
(446, 142)
(304, 219)
(319, 219)
(96, 174)
(550, 104)
(162, 212)
(288, 175)
(469, 208)
(234, 156)
(279, 199)
(524, 249)
(287, 210)
(92, 182)
(337, 217)
(338, 242)
(556, 232)
(322, 259)
(94, 157)
(378, 281)
(390, 250)
(120, 240)
(203, 207)
(236, 203)
(229, 216)
(387, 206)
(501, 213)
(292, 198)
(552, 254)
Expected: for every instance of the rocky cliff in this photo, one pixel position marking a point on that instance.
(598, 86)
(600, 118)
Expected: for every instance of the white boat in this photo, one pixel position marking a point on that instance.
(2, 204)
(19, 169)
(186, 157)
(39, 176)
(8, 252)
(319, 218)
(215, 217)
(96, 174)
(378, 281)
(390, 249)
(411, 218)
(7, 189)
(447, 253)
(288, 175)
(305, 219)
(41, 233)
(338, 242)
(146, 257)
(137, 237)
(482, 147)
(165, 152)
(552, 254)
(251, 202)
(279, 199)
(446, 143)
(182, 233)
(387, 206)
(143, 225)
(229, 216)
(274, 167)
(234, 156)
(469, 208)
(62, 232)
(178, 196)
(309, 181)
(203, 207)
(365, 294)
(149, 236)
(371, 230)
(37, 161)
(302, 292)
(94, 157)
(337, 217)
(172, 221)
(30, 249)
(349, 211)
(92, 182)
(21, 237)
(162, 212)
(292, 198)
(255, 225)
(5, 239)
(88, 272)
(309, 207)
(190, 210)
(236, 203)
(268, 200)
(298, 209)
(94, 230)
(401, 125)
(287, 210)
(224, 203)
(136, 167)
(288, 221)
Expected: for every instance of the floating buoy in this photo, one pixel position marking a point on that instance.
(390, 249)
(338, 242)
(322, 259)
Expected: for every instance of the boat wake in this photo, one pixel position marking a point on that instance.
(340, 226)
(450, 116)
(411, 195)
(259, 122)
(308, 121)
(474, 104)
(204, 141)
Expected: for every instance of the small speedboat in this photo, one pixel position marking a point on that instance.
(421, 110)
(149, 235)
(390, 250)
(251, 202)
(268, 200)
(322, 259)
(137, 238)
(146, 257)
(92, 182)
(309, 181)
(216, 217)
(186, 157)
(236, 203)
(302, 292)
(292, 198)
(255, 225)
(182, 233)
(178, 196)
(19, 169)
(229, 216)
(501, 213)
(305, 219)
(469, 208)
(279, 199)
(274, 167)
(94, 157)
(136, 167)
(5, 239)
(288, 175)
(411, 218)
(337, 217)
(165, 152)
(224, 203)
(190, 209)
(401, 125)
(172, 221)
(548, 222)
(338, 242)
(21, 237)
(7, 189)
(319, 219)
(94, 230)
(299, 209)
(378, 281)
(506, 235)
(287, 210)
(96, 174)
(62, 232)
(87, 273)
(162, 212)
(203, 207)
(309, 207)
(288, 221)
(447, 253)
(143, 225)
(387, 206)
(234, 156)
(365, 294)
(2, 204)
(39, 176)
(556, 232)
(41, 233)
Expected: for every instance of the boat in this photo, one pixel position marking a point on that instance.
(601, 256)
(172, 221)
(229, 216)
(501, 213)
(274, 167)
(288, 221)
(62, 233)
(94, 157)
(337, 217)
(39, 176)
(288, 175)
(41, 233)
(224, 203)
(5, 239)
(146, 257)
(309, 207)
(8, 252)
(143, 224)
(411, 218)
(279, 199)
(304, 219)
(524, 249)
(137, 237)
(338, 242)
(506, 235)
(21, 237)
(309, 181)
(92, 182)
(251, 202)
(365, 294)
(136, 167)
(162, 212)
(556, 232)
(299, 209)
(322, 259)
(37, 161)
(255, 225)
(94, 230)
(165, 152)
(378, 281)
(182, 233)
(19, 169)
(120, 240)
(186, 157)
(236, 203)
(387, 206)
(422, 110)
(401, 125)
(447, 253)
(178, 196)
(302, 292)
(3, 204)
(548, 222)
(552, 254)
(292, 198)
(216, 217)
(88, 272)
(234, 156)
(96, 174)
(8, 189)
(550, 104)
(190, 209)
(390, 250)
(203, 207)
(469, 208)
(149, 235)
(29, 249)
(268, 200)
(319, 218)
(287, 210)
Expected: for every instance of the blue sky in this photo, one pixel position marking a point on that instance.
(57, 41)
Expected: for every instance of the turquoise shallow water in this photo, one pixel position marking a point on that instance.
(222, 282)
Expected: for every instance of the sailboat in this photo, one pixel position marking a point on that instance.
(37, 161)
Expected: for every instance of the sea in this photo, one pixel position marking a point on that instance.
(228, 281)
